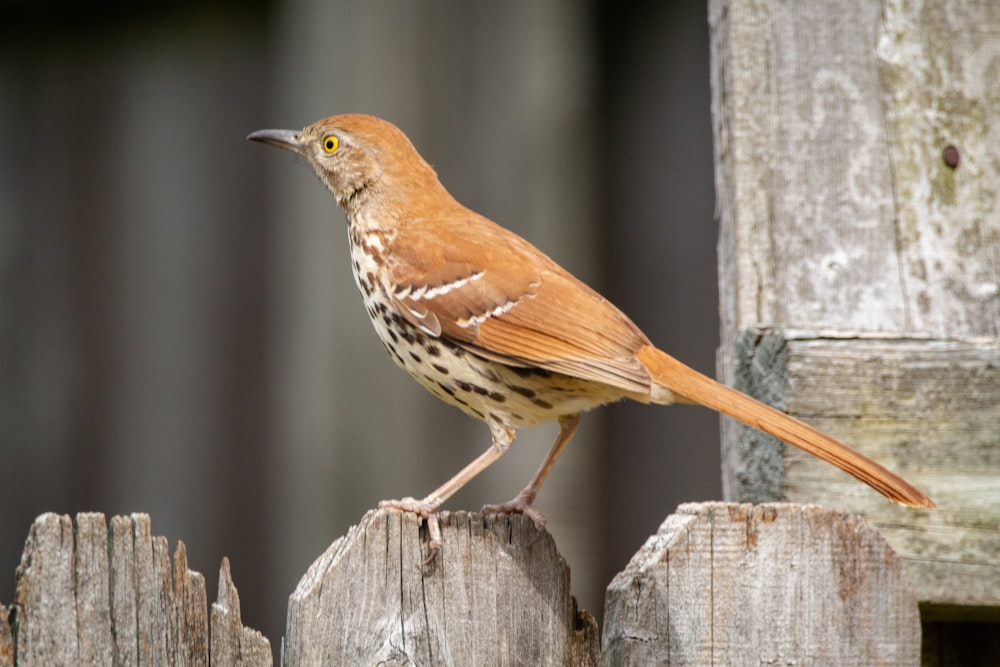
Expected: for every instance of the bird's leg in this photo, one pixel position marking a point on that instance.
(521, 503)
(427, 508)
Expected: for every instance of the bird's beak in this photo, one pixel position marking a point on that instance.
(288, 139)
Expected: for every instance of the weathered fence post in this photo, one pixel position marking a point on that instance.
(90, 595)
(497, 594)
(857, 162)
(771, 584)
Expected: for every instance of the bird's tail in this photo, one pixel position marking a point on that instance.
(687, 383)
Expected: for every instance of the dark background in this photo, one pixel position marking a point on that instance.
(179, 330)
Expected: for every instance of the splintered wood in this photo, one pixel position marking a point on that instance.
(87, 594)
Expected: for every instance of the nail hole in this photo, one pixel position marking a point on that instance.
(950, 156)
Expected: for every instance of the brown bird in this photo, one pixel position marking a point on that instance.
(488, 323)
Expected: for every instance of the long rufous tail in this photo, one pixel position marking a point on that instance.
(701, 389)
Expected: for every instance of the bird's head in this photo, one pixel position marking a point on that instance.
(358, 157)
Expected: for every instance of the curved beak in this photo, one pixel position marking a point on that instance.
(287, 139)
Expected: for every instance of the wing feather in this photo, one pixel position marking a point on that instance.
(501, 298)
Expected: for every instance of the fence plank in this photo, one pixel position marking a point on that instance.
(497, 594)
(87, 594)
(740, 584)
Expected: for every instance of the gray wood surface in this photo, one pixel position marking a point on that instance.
(926, 408)
(931, 409)
(859, 273)
(90, 594)
(837, 209)
(498, 594)
(773, 584)
(232, 643)
(720, 583)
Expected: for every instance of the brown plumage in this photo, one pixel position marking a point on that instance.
(490, 324)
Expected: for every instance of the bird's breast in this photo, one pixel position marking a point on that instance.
(482, 388)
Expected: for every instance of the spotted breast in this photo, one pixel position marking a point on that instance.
(503, 395)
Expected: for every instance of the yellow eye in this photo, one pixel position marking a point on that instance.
(330, 143)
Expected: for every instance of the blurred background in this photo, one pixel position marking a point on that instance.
(180, 333)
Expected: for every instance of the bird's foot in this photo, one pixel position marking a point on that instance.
(427, 510)
(520, 504)
(422, 508)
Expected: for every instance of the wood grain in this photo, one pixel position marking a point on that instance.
(837, 209)
(92, 593)
(498, 594)
(930, 409)
(720, 583)
(775, 584)
(232, 643)
(859, 273)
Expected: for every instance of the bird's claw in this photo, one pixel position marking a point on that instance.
(520, 504)
(427, 511)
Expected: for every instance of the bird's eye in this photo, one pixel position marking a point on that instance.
(330, 143)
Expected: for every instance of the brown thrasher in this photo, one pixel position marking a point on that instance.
(488, 323)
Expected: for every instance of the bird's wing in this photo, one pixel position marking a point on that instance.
(499, 297)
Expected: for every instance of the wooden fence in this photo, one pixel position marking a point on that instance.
(720, 583)
(857, 153)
